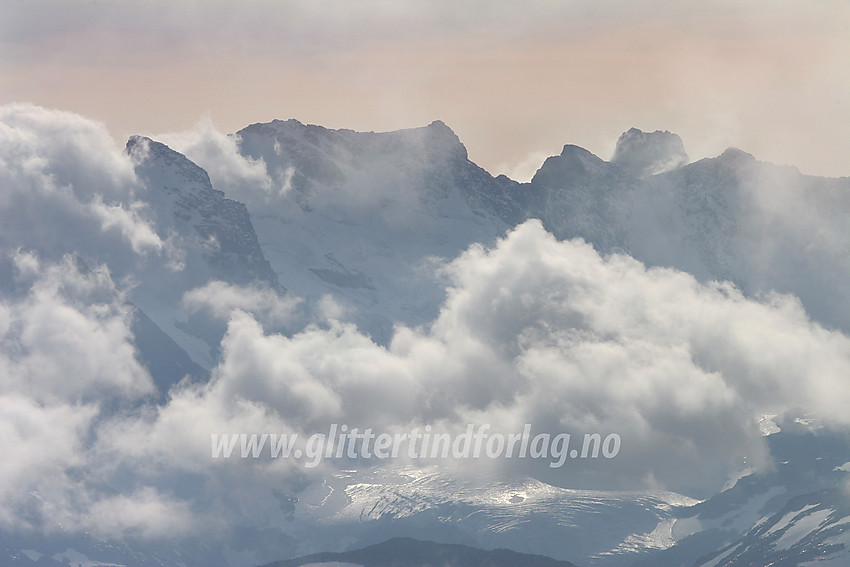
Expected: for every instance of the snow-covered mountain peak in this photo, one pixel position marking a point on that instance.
(436, 142)
(174, 170)
(643, 154)
(197, 218)
(364, 210)
(403, 169)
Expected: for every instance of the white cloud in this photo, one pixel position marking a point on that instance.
(67, 185)
(70, 150)
(543, 332)
(69, 336)
(65, 351)
(242, 178)
(141, 235)
(222, 298)
(533, 331)
(40, 443)
(146, 514)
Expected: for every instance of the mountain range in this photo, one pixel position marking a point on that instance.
(358, 228)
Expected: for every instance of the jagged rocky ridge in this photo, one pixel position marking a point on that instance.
(414, 193)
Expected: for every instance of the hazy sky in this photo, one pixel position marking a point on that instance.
(515, 80)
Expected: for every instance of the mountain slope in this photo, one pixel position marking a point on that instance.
(812, 529)
(762, 226)
(362, 216)
(215, 232)
(408, 552)
(208, 237)
(811, 471)
(356, 508)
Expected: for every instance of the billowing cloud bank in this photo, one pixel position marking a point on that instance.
(548, 333)
(533, 330)
(68, 187)
(66, 353)
(245, 179)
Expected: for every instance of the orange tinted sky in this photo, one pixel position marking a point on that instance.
(516, 82)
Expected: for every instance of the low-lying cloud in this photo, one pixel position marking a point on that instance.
(533, 331)
(68, 187)
(549, 333)
(246, 180)
(66, 352)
